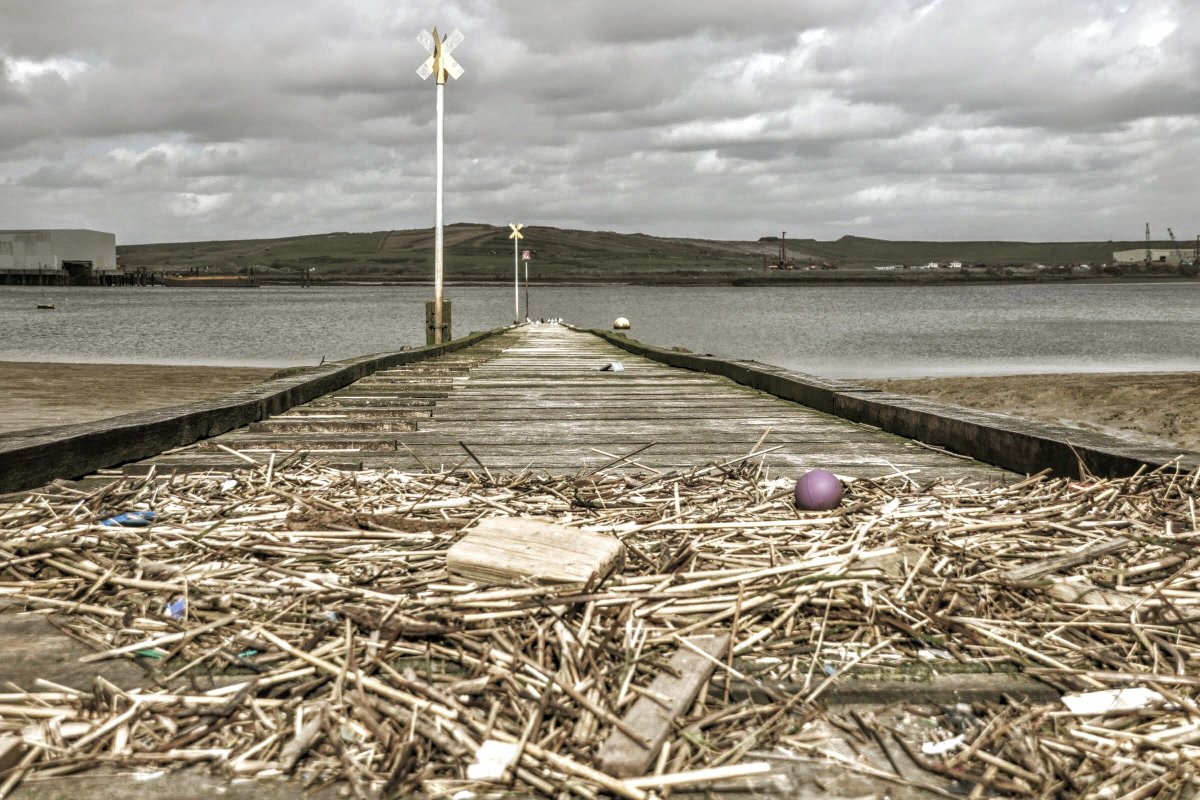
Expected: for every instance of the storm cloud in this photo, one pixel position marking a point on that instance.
(901, 119)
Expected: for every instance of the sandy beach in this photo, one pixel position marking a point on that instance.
(1159, 408)
(37, 394)
(1156, 407)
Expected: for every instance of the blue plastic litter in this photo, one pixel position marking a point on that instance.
(131, 519)
(177, 608)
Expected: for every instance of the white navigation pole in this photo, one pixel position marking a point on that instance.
(439, 64)
(516, 236)
(525, 258)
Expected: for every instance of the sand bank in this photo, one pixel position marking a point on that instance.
(37, 394)
(1154, 407)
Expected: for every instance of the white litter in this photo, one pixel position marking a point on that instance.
(1107, 700)
(492, 759)
(148, 776)
(944, 746)
(613, 366)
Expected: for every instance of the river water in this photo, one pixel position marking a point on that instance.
(851, 331)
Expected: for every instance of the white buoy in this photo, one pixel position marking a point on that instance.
(620, 324)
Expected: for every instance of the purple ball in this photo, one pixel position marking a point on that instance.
(818, 490)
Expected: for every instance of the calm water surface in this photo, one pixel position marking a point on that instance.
(859, 331)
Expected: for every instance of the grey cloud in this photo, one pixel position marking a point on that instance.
(892, 118)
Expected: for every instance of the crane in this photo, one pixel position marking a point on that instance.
(784, 262)
(1175, 244)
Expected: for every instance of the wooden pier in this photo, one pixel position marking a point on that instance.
(342, 628)
(547, 398)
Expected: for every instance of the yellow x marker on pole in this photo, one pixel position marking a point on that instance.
(516, 235)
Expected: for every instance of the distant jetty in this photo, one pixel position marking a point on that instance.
(209, 281)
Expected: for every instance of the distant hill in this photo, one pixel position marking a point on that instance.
(476, 252)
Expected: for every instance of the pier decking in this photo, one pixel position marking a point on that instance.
(538, 397)
(298, 621)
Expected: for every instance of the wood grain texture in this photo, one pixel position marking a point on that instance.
(535, 397)
(623, 757)
(515, 551)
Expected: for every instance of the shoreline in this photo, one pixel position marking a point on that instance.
(787, 281)
(36, 394)
(784, 280)
(1153, 407)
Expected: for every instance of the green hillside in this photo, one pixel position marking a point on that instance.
(476, 252)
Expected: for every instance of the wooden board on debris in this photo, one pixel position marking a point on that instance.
(12, 747)
(654, 712)
(515, 551)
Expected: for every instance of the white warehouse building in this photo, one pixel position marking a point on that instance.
(57, 256)
(1157, 256)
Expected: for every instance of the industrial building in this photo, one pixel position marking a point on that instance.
(58, 257)
(1168, 257)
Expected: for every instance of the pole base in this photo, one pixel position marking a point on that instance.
(431, 328)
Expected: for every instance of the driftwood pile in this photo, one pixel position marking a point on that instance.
(299, 621)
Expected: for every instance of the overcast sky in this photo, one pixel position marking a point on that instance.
(905, 119)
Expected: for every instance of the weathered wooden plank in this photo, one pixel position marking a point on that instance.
(536, 399)
(357, 412)
(511, 550)
(466, 401)
(665, 421)
(305, 424)
(785, 465)
(1073, 559)
(623, 757)
(732, 442)
(12, 748)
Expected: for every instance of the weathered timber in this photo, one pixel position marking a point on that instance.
(923, 682)
(33, 457)
(536, 397)
(1003, 440)
(510, 550)
(541, 402)
(1073, 559)
(12, 747)
(668, 696)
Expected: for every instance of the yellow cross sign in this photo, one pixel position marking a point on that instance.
(440, 62)
(516, 231)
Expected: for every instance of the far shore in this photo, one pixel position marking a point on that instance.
(686, 278)
(1154, 408)
(796, 279)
